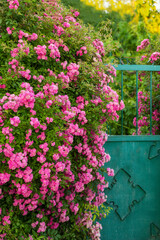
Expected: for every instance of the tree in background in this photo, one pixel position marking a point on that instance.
(149, 14)
(138, 9)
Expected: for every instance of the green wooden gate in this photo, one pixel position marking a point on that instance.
(134, 191)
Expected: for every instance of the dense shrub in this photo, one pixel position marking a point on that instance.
(54, 105)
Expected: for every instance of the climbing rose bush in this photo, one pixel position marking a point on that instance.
(149, 57)
(54, 105)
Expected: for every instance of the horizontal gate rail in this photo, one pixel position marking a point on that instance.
(136, 68)
(131, 138)
(127, 67)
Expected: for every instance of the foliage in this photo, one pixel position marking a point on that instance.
(149, 53)
(149, 14)
(136, 8)
(54, 105)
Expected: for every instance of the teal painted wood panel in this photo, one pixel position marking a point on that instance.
(134, 191)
